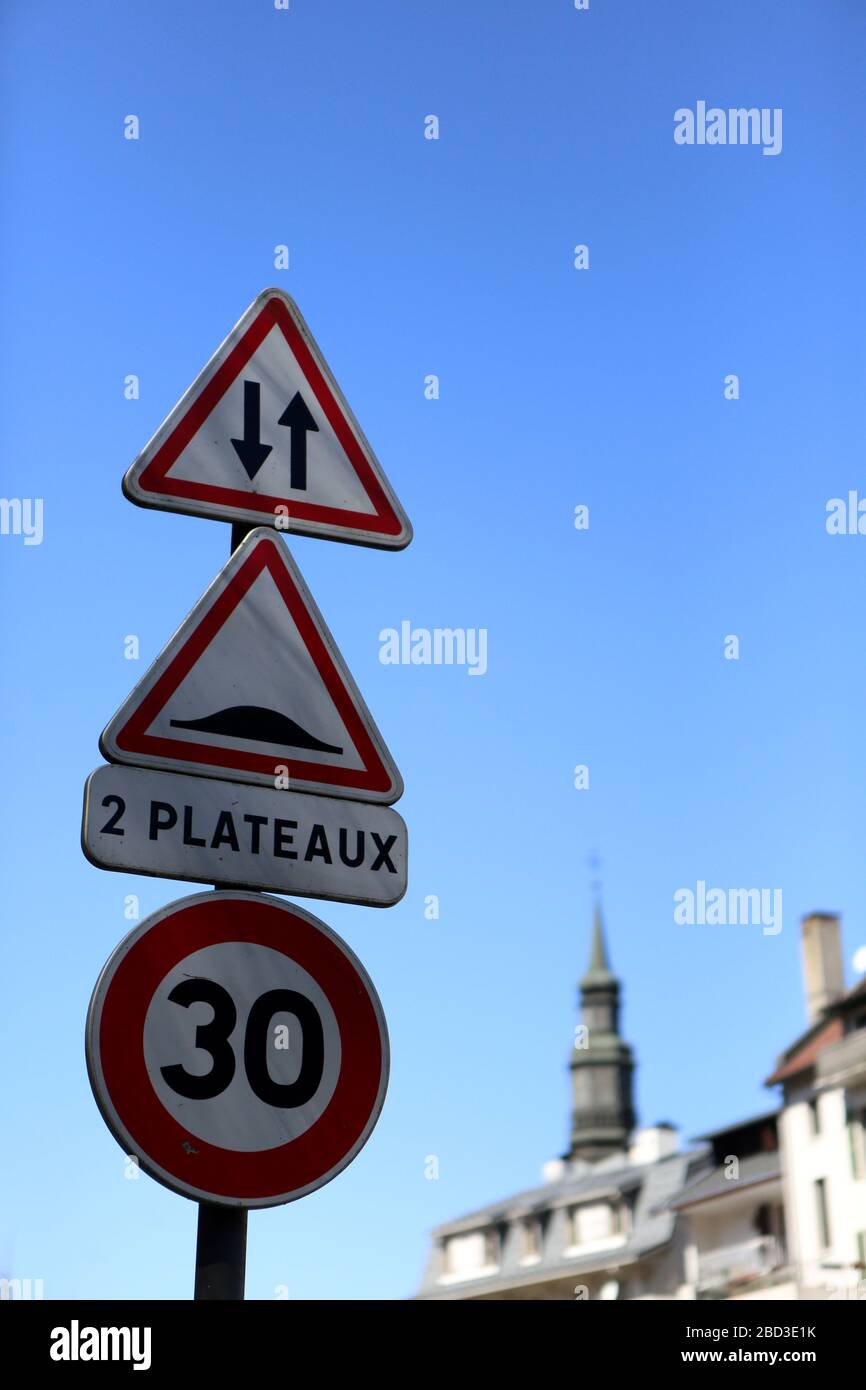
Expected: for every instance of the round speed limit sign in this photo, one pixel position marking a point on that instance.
(238, 1049)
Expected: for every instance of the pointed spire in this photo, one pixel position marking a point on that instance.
(601, 1062)
(599, 971)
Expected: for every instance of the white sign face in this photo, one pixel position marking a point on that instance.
(252, 687)
(237, 1048)
(265, 436)
(239, 973)
(175, 826)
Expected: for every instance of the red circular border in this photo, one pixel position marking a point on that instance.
(226, 1172)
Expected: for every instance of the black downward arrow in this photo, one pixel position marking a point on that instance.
(299, 420)
(250, 450)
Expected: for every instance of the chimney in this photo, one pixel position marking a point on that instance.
(823, 972)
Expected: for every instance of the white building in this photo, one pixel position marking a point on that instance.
(823, 1123)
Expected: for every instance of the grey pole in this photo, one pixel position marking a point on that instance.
(220, 1252)
(240, 530)
(221, 1242)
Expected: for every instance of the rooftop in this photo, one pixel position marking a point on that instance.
(647, 1188)
(752, 1171)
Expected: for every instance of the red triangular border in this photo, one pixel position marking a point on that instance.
(154, 478)
(133, 740)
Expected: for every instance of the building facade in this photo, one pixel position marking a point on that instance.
(822, 1077)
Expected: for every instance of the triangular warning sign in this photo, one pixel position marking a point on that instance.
(264, 435)
(252, 684)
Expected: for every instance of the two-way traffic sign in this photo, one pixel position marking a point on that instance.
(265, 436)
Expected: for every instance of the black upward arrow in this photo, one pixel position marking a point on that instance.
(299, 420)
(250, 450)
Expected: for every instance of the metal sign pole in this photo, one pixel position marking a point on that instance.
(240, 531)
(221, 1240)
(220, 1252)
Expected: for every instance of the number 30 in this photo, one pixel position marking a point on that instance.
(213, 1037)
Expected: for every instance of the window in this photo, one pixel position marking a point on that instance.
(857, 1143)
(822, 1213)
(597, 1221)
(469, 1254)
(763, 1221)
(814, 1115)
(768, 1139)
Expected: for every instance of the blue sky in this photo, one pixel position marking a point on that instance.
(559, 387)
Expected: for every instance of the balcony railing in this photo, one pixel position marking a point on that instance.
(844, 1062)
(751, 1259)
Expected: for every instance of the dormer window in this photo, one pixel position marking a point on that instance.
(472, 1254)
(594, 1222)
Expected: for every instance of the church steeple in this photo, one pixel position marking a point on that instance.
(601, 1062)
